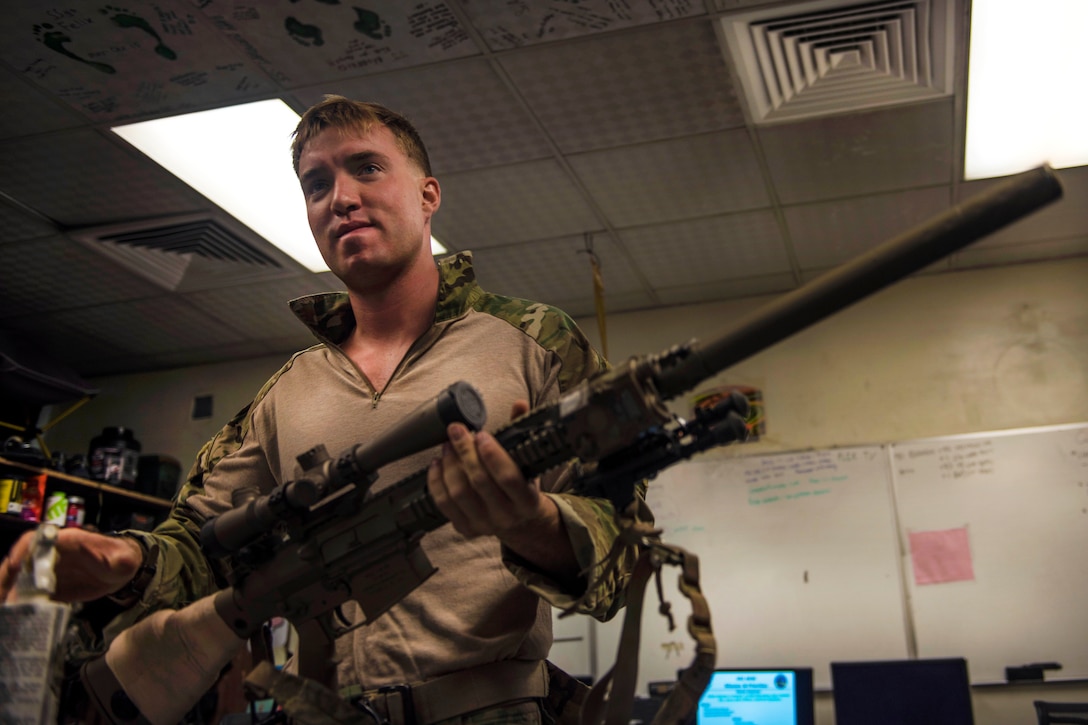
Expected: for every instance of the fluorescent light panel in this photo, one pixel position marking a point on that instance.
(1025, 101)
(239, 157)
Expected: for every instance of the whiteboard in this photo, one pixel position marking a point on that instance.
(798, 556)
(1019, 502)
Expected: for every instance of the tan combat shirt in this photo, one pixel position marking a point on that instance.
(482, 605)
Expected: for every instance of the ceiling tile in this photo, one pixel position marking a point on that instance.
(635, 86)
(487, 208)
(545, 120)
(675, 179)
(860, 153)
(260, 310)
(81, 349)
(26, 111)
(202, 356)
(725, 289)
(303, 43)
(151, 326)
(708, 250)
(558, 272)
(115, 62)
(830, 233)
(1066, 217)
(18, 225)
(504, 24)
(55, 273)
(467, 117)
(101, 181)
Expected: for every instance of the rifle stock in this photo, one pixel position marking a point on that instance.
(364, 546)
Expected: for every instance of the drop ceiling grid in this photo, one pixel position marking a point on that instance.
(1067, 217)
(726, 289)
(505, 25)
(114, 70)
(16, 225)
(207, 356)
(487, 207)
(154, 326)
(675, 179)
(26, 111)
(709, 249)
(96, 182)
(467, 116)
(55, 273)
(306, 43)
(259, 310)
(825, 234)
(615, 90)
(79, 348)
(554, 269)
(862, 153)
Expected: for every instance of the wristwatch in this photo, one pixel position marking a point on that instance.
(131, 592)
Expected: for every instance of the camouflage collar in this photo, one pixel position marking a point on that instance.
(329, 315)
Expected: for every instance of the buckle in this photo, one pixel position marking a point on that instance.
(382, 704)
(362, 702)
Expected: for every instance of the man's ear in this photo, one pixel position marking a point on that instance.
(432, 194)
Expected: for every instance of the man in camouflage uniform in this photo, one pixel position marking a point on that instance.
(405, 329)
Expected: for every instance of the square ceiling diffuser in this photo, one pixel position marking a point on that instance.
(820, 58)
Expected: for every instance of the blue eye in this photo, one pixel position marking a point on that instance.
(315, 188)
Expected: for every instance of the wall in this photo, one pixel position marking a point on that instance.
(158, 407)
(934, 355)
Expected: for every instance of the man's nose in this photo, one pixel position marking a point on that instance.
(345, 197)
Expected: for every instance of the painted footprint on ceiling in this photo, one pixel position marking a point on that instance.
(123, 18)
(57, 41)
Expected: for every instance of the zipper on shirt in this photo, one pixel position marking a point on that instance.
(374, 399)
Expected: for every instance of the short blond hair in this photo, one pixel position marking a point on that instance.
(344, 114)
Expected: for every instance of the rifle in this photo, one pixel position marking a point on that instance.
(324, 539)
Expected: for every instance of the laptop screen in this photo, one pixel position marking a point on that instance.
(781, 696)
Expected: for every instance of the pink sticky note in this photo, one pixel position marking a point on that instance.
(941, 556)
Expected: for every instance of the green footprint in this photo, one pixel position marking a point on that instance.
(303, 33)
(122, 19)
(55, 40)
(370, 24)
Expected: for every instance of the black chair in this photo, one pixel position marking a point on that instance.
(1061, 713)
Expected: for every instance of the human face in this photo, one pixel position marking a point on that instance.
(368, 205)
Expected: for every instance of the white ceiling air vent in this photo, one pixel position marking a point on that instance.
(190, 252)
(819, 58)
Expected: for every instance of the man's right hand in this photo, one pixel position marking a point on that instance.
(89, 565)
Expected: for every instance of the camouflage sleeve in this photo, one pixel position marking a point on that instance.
(592, 524)
(183, 573)
(593, 528)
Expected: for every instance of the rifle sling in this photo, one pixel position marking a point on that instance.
(619, 683)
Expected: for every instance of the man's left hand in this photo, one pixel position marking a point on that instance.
(479, 488)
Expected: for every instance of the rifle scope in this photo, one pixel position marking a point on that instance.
(322, 475)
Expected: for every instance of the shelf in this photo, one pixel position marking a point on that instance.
(90, 485)
(15, 524)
